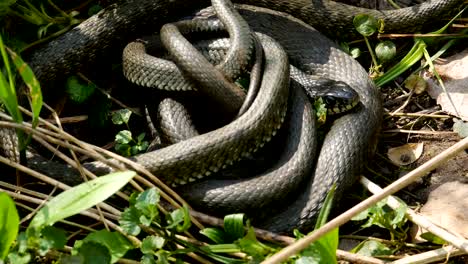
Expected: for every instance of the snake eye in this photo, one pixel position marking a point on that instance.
(329, 100)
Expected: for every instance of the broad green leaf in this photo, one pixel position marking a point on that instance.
(94, 253)
(400, 214)
(372, 248)
(151, 244)
(9, 224)
(79, 91)
(146, 202)
(121, 116)
(51, 237)
(130, 220)
(179, 219)
(115, 242)
(234, 226)
(123, 149)
(366, 25)
(216, 235)
(330, 243)
(148, 259)
(163, 257)
(80, 198)
(31, 82)
(17, 258)
(123, 137)
(385, 50)
(250, 245)
(319, 252)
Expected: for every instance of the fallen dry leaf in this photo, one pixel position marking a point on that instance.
(406, 154)
(455, 76)
(447, 207)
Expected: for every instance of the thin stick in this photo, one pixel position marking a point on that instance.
(425, 132)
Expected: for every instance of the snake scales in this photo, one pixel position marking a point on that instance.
(352, 137)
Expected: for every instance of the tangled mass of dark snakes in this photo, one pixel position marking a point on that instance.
(289, 58)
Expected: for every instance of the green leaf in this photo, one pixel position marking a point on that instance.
(94, 9)
(355, 52)
(116, 243)
(400, 215)
(42, 31)
(7, 88)
(151, 244)
(141, 137)
(234, 226)
(31, 82)
(366, 25)
(413, 56)
(163, 257)
(222, 248)
(6, 3)
(79, 91)
(179, 219)
(319, 252)
(372, 248)
(67, 259)
(94, 253)
(17, 258)
(146, 202)
(9, 224)
(53, 238)
(361, 216)
(142, 146)
(22, 242)
(121, 116)
(129, 221)
(326, 208)
(215, 234)
(320, 110)
(433, 238)
(123, 137)
(385, 50)
(80, 198)
(32, 15)
(250, 245)
(123, 149)
(147, 259)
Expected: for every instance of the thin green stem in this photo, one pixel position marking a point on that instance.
(371, 51)
(51, 36)
(392, 3)
(33, 9)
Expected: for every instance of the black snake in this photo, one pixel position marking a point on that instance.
(347, 145)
